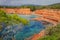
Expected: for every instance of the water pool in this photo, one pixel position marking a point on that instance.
(28, 31)
(21, 32)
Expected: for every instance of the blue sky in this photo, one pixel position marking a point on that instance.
(22, 2)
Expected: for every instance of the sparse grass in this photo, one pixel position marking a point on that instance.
(53, 34)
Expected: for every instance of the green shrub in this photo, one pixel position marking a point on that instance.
(53, 33)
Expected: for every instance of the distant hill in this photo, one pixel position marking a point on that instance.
(34, 7)
(54, 6)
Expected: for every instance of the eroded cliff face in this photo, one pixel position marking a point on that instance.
(21, 11)
(51, 15)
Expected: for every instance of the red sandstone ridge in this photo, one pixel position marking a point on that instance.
(21, 11)
(52, 15)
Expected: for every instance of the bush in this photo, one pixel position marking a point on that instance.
(53, 33)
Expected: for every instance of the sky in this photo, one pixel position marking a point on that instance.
(23, 2)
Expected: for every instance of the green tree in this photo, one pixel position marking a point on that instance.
(11, 19)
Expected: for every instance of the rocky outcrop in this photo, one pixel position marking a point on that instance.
(21, 11)
(51, 15)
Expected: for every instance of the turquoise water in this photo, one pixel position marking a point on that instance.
(20, 31)
(28, 31)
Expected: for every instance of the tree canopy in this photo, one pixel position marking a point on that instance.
(11, 19)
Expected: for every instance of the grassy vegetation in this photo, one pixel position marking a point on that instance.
(11, 19)
(52, 33)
